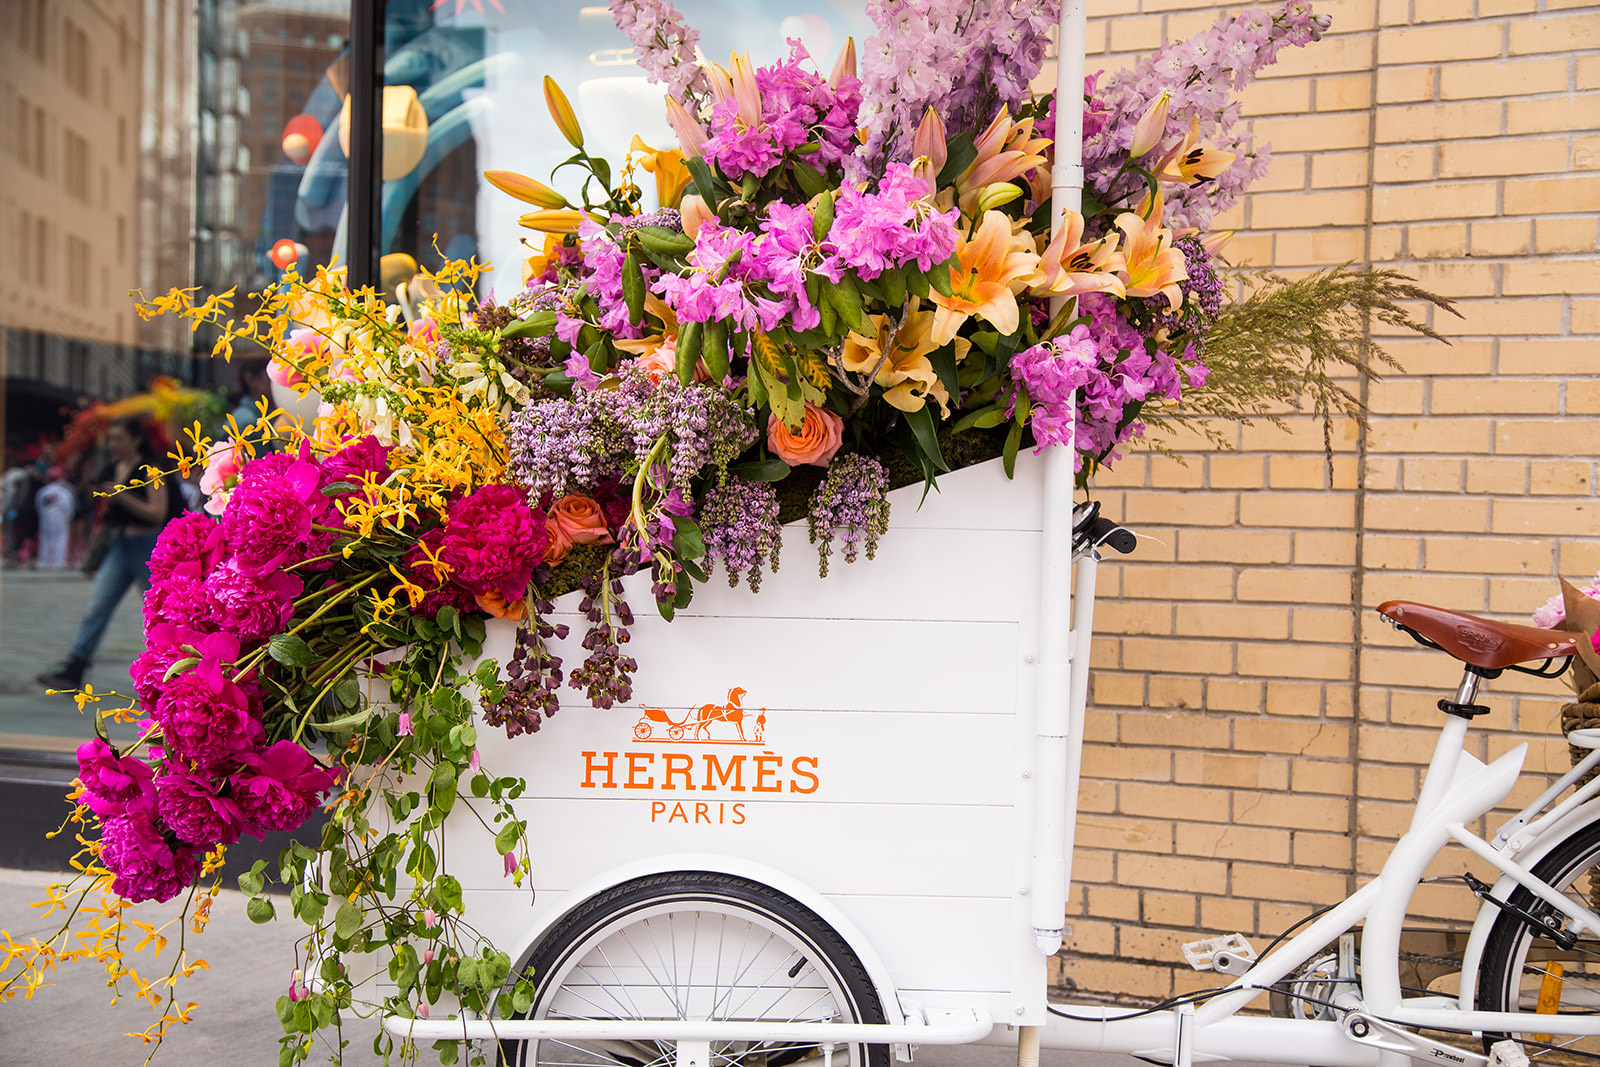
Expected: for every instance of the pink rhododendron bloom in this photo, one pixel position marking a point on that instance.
(135, 850)
(223, 464)
(279, 788)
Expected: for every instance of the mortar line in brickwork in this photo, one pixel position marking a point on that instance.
(1358, 578)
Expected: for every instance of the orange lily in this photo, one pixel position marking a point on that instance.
(536, 264)
(845, 66)
(1190, 162)
(988, 265)
(694, 211)
(907, 376)
(672, 177)
(691, 135)
(929, 148)
(1153, 266)
(1068, 266)
(1147, 134)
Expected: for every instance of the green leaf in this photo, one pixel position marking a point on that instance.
(309, 909)
(599, 356)
(939, 277)
(983, 418)
(760, 470)
(507, 838)
(344, 722)
(846, 299)
(688, 350)
(348, 691)
(809, 178)
(291, 651)
(1013, 442)
(254, 880)
(822, 218)
(480, 785)
(712, 190)
(450, 892)
(442, 785)
(943, 359)
(714, 349)
(449, 619)
(536, 325)
(347, 920)
(449, 1052)
(687, 542)
(960, 154)
(894, 287)
(339, 488)
(633, 287)
(179, 667)
(285, 1009)
(927, 435)
(259, 909)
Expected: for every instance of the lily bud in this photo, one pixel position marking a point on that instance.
(721, 82)
(525, 189)
(930, 140)
(745, 93)
(845, 66)
(691, 135)
(1147, 134)
(693, 211)
(561, 111)
(562, 220)
(1213, 242)
(997, 195)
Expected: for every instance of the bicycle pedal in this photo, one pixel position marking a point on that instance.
(1228, 954)
(1507, 1054)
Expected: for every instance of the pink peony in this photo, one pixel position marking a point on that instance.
(163, 646)
(191, 540)
(278, 789)
(271, 513)
(182, 600)
(439, 593)
(113, 783)
(356, 461)
(146, 866)
(196, 813)
(492, 541)
(252, 607)
(223, 464)
(206, 719)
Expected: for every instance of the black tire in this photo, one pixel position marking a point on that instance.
(1515, 959)
(702, 909)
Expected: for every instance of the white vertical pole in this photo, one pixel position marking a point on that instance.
(1053, 713)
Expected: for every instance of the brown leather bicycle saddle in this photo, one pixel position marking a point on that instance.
(1480, 642)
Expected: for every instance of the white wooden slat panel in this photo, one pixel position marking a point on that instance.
(915, 850)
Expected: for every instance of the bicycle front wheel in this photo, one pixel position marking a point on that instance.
(697, 945)
(1525, 972)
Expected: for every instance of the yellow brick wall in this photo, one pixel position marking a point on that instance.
(1244, 691)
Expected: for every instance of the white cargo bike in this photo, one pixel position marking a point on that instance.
(836, 826)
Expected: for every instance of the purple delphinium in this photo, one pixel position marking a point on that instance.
(665, 47)
(965, 60)
(851, 504)
(739, 521)
(1201, 74)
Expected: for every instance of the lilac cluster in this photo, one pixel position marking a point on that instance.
(964, 59)
(562, 446)
(739, 521)
(875, 232)
(522, 354)
(665, 46)
(1203, 290)
(532, 676)
(851, 503)
(1201, 74)
(797, 107)
(606, 676)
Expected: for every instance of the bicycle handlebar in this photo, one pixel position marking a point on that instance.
(1090, 530)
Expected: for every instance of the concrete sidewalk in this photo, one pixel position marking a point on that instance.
(72, 1021)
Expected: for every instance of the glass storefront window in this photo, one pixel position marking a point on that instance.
(130, 159)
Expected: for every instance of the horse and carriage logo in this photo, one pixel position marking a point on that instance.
(707, 724)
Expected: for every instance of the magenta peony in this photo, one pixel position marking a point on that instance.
(113, 783)
(492, 541)
(181, 599)
(196, 813)
(146, 866)
(192, 540)
(421, 571)
(206, 720)
(252, 607)
(271, 514)
(278, 789)
(355, 462)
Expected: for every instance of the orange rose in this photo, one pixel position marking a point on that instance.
(821, 433)
(560, 544)
(495, 603)
(580, 520)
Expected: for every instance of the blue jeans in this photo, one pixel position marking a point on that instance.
(127, 561)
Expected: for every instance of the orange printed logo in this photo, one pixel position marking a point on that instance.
(727, 723)
(710, 724)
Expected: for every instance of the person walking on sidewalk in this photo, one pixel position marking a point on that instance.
(133, 519)
(55, 504)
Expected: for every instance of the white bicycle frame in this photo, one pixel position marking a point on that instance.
(1458, 789)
